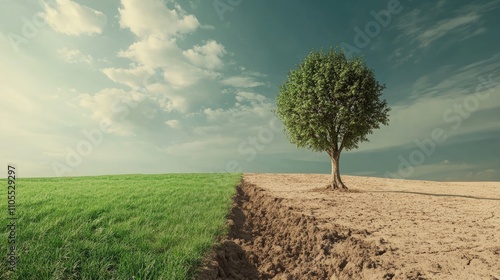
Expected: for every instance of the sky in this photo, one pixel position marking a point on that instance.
(161, 86)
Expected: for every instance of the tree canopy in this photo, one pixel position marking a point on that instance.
(330, 103)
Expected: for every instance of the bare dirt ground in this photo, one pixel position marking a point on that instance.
(285, 226)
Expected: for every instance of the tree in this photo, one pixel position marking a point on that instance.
(331, 103)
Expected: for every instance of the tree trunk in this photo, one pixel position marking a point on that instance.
(336, 181)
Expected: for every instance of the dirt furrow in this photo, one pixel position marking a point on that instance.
(271, 239)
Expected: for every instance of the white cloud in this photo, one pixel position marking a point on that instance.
(174, 79)
(166, 74)
(152, 52)
(173, 123)
(446, 26)
(241, 82)
(134, 77)
(436, 103)
(75, 56)
(479, 7)
(419, 28)
(206, 56)
(71, 18)
(152, 17)
(418, 119)
(130, 111)
(242, 96)
(113, 106)
(155, 52)
(248, 105)
(181, 74)
(167, 98)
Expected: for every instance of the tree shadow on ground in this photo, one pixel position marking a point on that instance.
(440, 194)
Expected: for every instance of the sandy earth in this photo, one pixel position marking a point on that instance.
(285, 226)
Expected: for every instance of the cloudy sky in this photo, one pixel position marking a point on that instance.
(159, 86)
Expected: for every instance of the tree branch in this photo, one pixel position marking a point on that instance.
(342, 144)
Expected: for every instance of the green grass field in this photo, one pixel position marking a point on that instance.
(117, 227)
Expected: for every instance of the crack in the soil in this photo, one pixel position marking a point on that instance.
(492, 216)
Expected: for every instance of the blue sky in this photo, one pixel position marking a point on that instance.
(151, 86)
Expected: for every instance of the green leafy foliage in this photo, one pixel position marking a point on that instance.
(331, 102)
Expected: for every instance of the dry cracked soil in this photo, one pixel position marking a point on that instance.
(288, 226)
